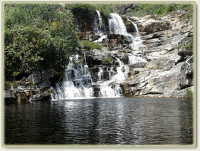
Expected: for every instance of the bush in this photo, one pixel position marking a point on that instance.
(82, 12)
(160, 9)
(105, 10)
(8, 84)
(37, 37)
(38, 15)
(85, 44)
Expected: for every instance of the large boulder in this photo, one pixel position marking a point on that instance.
(38, 77)
(42, 96)
(136, 61)
(152, 24)
(178, 72)
(183, 92)
(160, 64)
(41, 79)
(35, 77)
(169, 81)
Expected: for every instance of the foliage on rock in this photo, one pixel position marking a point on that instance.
(85, 44)
(189, 93)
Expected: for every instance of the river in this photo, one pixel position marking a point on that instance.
(100, 121)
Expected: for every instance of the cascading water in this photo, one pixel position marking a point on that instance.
(112, 87)
(101, 38)
(100, 74)
(120, 76)
(76, 84)
(109, 90)
(97, 28)
(117, 26)
(137, 42)
(97, 24)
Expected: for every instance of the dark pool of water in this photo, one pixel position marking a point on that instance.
(100, 121)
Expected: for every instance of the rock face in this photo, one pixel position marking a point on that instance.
(162, 68)
(41, 78)
(35, 87)
(150, 24)
(169, 69)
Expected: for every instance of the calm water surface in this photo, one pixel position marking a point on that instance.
(100, 121)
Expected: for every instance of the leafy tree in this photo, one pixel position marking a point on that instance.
(37, 37)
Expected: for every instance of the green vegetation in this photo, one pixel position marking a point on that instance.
(187, 46)
(108, 59)
(188, 11)
(161, 9)
(13, 84)
(189, 93)
(83, 12)
(82, 9)
(104, 9)
(41, 36)
(85, 44)
(8, 84)
(128, 23)
(37, 37)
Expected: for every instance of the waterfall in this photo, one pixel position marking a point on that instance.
(137, 42)
(84, 58)
(76, 83)
(112, 87)
(101, 38)
(109, 90)
(117, 26)
(100, 74)
(120, 76)
(97, 24)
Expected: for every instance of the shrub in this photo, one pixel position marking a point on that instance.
(105, 10)
(8, 84)
(85, 44)
(82, 11)
(161, 9)
(38, 15)
(37, 37)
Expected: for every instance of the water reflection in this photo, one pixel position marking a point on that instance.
(101, 121)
